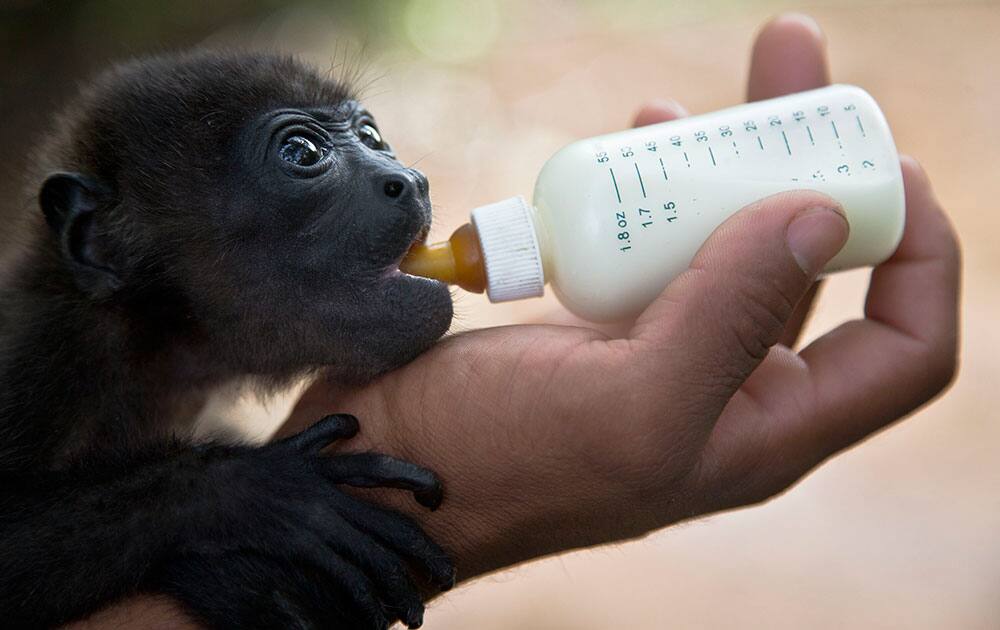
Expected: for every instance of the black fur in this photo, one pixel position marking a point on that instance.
(177, 251)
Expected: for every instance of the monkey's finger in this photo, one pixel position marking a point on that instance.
(351, 580)
(659, 111)
(405, 537)
(375, 470)
(338, 426)
(384, 567)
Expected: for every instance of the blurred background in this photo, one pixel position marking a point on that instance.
(901, 532)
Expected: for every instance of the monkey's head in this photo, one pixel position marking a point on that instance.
(246, 203)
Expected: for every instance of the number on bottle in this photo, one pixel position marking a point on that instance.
(671, 207)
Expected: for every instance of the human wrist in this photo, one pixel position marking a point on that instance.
(473, 537)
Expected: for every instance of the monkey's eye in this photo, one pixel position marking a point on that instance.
(370, 137)
(300, 151)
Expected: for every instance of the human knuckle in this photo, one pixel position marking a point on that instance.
(943, 368)
(764, 308)
(758, 494)
(713, 383)
(757, 485)
(933, 366)
(951, 239)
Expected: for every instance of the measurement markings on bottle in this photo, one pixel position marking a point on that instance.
(646, 212)
(642, 186)
(624, 235)
(721, 139)
(671, 207)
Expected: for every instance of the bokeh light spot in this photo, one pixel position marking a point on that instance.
(452, 31)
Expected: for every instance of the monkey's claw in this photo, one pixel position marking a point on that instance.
(326, 431)
(365, 470)
(374, 470)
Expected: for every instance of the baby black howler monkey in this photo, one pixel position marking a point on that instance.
(209, 217)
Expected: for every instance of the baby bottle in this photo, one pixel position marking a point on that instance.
(614, 218)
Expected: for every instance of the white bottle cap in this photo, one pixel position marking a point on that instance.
(510, 250)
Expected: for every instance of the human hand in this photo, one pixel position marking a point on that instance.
(555, 437)
(789, 56)
(552, 438)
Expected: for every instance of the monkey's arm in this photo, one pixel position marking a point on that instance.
(248, 537)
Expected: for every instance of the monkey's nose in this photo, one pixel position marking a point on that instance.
(393, 188)
(401, 186)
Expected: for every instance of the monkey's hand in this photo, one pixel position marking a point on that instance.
(278, 545)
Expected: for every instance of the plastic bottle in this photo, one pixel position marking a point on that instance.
(616, 217)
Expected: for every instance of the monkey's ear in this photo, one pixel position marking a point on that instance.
(69, 202)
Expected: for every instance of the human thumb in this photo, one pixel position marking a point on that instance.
(733, 302)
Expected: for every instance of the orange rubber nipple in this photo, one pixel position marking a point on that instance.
(455, 261)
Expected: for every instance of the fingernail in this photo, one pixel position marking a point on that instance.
(675, 107)
(801, 18)
(815, 236)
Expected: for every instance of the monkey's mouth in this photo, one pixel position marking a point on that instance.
(418, 309)
(419, 240)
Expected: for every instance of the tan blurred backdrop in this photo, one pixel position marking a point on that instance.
(901, 532)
